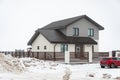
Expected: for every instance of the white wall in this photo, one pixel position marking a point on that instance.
(41, 41)
(96, 47)
(87, 48)
(71, 47)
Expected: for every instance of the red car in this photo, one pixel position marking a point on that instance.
(112, 62)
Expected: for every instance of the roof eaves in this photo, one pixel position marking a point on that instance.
(33, 38)
(99, 26)
(85, 16)
(79, 17)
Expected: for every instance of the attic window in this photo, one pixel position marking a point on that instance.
(75, 31)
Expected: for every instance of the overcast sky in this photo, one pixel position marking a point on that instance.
(20, 18)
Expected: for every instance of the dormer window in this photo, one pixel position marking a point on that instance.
(75, 31)
(90, 32)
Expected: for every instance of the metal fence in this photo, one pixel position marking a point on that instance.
(38, 55)
(51, 56)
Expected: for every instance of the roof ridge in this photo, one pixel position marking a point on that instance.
(69, 18)
(65, 22)
(62, 23)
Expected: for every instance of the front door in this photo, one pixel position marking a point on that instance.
(78, 51)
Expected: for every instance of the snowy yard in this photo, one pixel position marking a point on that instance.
(34, 69)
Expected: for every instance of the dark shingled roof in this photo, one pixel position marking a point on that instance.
(64, 23)
(55, 36)
(51, 32)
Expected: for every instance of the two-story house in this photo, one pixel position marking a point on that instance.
(77, 35)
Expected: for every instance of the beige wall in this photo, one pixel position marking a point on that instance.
(41, 41)
(71, 47)
(96, 47)
(87, 48)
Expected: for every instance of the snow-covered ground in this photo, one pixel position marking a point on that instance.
(34, 69)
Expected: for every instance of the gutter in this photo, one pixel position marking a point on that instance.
(54, 52)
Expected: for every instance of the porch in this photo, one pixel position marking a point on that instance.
(60, 56)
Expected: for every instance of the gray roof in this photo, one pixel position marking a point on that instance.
(55, 36)
(64, 23)
(51, 32)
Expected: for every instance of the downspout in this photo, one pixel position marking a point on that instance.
(54, 53)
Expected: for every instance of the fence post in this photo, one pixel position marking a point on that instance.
(32, 54)
(23, 54)
(37, 55)
(5, 53)
(15, 54)
(12, 54)
(19, 54)
(110, 54)
(88, 57)
(28, 54)
(45, 55)
(67, 57)
(54, 56)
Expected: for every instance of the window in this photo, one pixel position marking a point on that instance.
(114, 58)
(75, 31)
(45, 47)
(38, 47)
(90, 32)
(64, 47)
(118, 58)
